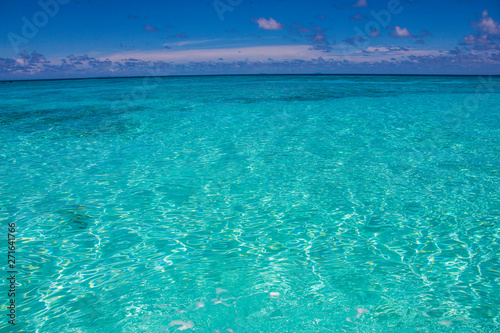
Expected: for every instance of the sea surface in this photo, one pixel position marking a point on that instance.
(252, 204)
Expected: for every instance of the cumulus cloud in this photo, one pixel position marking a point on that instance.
(486, 35)
(270, 24)
(477, 39)
(399, 32)
(488, 25)
(34, 58)
(360, 3)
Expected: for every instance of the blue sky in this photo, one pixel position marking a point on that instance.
(89, 38)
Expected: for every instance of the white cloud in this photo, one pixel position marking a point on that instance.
(487, 24)
(401, 32)
(270, 24)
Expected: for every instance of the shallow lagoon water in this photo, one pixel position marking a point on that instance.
(254, 203)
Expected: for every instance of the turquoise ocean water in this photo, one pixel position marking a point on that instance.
(253, 204)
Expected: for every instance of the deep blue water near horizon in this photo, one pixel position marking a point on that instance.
(253, 204)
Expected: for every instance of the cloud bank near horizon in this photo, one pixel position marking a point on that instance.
(280, 60)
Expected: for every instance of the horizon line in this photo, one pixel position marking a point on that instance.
(224, 75)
